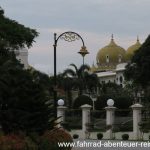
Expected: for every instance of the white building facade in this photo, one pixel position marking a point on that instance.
(22, 56)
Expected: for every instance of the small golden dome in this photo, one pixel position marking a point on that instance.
(132, 49)
(93, 68)
(111, 54)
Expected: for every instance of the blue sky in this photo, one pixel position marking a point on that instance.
(94, 20)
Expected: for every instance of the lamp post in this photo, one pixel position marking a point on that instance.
(138, 95)
(68, 36)
(94, 98)
(110, 110)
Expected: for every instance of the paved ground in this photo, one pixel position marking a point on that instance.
(112, 145)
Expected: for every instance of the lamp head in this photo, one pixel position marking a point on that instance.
(60, 102)
(110, 102)
(83, 51)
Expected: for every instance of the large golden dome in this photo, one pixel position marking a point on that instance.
(132, 49)
(111, 55)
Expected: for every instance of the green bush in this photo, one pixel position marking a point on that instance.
(81, 100)
(99, 136)
(125, 136)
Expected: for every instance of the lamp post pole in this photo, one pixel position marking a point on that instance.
(83, 52)
(69, 37)
(55, 77)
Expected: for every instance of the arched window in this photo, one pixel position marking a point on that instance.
(107, 59)
(120, 59)
(121, 79)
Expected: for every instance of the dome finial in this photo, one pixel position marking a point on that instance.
(137, 38)
(93, 64)
(133, 48)
(112, 37)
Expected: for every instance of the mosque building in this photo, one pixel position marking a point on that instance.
(111, 61)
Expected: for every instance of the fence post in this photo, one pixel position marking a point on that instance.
(61, 112)
(137, 108)
(110, 116)
(85, 118)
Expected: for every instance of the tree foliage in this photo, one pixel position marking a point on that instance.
(23, 99)
(24, 94)
(121, 97)
(14, 35)
(138, 70)
(82, 100)
(23, 103)
(82, 78)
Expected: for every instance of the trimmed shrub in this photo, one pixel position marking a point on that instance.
(99, 136)
(75, 136)
(108, 127)
(51, 138)
(81, 100)
(125, 136)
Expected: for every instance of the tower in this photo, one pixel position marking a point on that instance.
(22, 56)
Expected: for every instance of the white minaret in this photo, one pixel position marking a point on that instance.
(22, 56)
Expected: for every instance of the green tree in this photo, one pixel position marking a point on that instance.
(67, 85)
(82, 79)
(138, 73)
(14, 35)
(23, 97)
(121, 96)
(91, 81)
(82, 100)
(138, 70)
(23, 104)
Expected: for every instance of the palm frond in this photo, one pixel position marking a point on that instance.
(69, 72)
(82, 70)
(84, 67)
(75, 67)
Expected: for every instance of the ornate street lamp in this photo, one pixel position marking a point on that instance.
(69, 37)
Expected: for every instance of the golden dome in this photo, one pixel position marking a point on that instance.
(133, 48)
(111, 55)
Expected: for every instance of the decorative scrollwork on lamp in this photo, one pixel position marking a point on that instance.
(70, 36)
